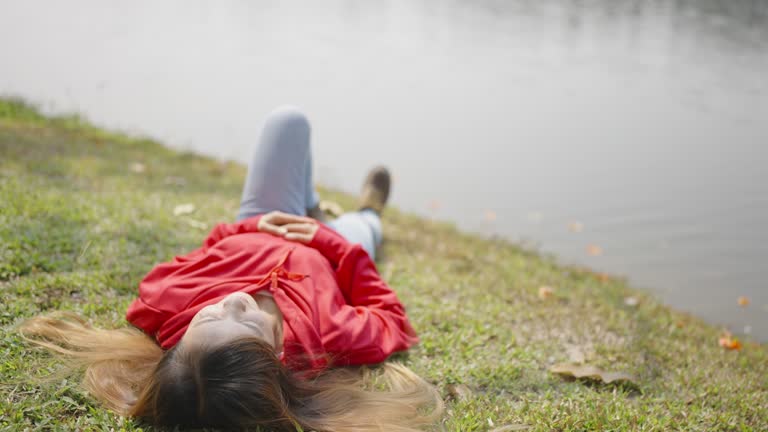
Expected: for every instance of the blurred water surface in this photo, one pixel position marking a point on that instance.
(644, 121)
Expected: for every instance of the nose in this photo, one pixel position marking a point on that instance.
(235, 304)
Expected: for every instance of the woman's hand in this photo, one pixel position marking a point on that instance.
(290, 227)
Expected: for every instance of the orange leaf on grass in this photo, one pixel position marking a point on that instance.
(545, 292)
(743, 301)
(729, 342)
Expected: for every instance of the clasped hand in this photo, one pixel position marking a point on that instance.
(288, 226)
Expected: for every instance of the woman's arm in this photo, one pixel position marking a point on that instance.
(276, 223)
(225, 230)
(373, 323)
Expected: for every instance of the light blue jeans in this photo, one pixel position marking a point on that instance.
(280, 178)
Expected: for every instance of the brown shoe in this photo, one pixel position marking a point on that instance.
(376, 190)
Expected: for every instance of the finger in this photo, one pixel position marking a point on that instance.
(299, 227)
(273, 229)
(272, 215)
(285, 218)
(298, 237)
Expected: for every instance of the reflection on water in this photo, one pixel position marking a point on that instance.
(643, 121)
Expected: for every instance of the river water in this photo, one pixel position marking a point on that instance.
(637, 127)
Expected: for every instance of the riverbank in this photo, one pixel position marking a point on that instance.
(86, 212)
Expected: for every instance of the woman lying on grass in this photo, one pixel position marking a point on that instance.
(243, 331)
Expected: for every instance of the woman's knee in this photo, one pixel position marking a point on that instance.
(288, 118)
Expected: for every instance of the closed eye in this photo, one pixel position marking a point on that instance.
(247, 324)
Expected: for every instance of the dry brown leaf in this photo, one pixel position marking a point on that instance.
(183, 209)
(546, 292)
(194, 223)
(459, 392)
(590, 372)
(138, 167)
(743, 301)
(631, 301)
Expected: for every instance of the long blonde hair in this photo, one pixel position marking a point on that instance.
(239, 384)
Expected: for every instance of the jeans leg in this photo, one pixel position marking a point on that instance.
(313, 198)
(280, 173)
(363, 227)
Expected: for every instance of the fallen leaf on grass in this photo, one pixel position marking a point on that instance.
(196, 224)
(631, 301)
(459, 392)
(183, 209)
(729, 342)
(138, 167)
(743, 301)
(590, 372)
(594, 250)
(546, 292)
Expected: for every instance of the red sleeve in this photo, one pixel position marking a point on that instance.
(331, 244)
(224, 230)
(145, 317)
(373, 324)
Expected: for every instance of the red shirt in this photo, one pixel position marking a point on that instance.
(334, 303)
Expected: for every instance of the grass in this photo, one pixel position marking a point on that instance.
(79, 227)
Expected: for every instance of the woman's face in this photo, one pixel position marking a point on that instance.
(236, 315)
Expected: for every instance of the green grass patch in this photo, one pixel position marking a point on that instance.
(80, 225)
